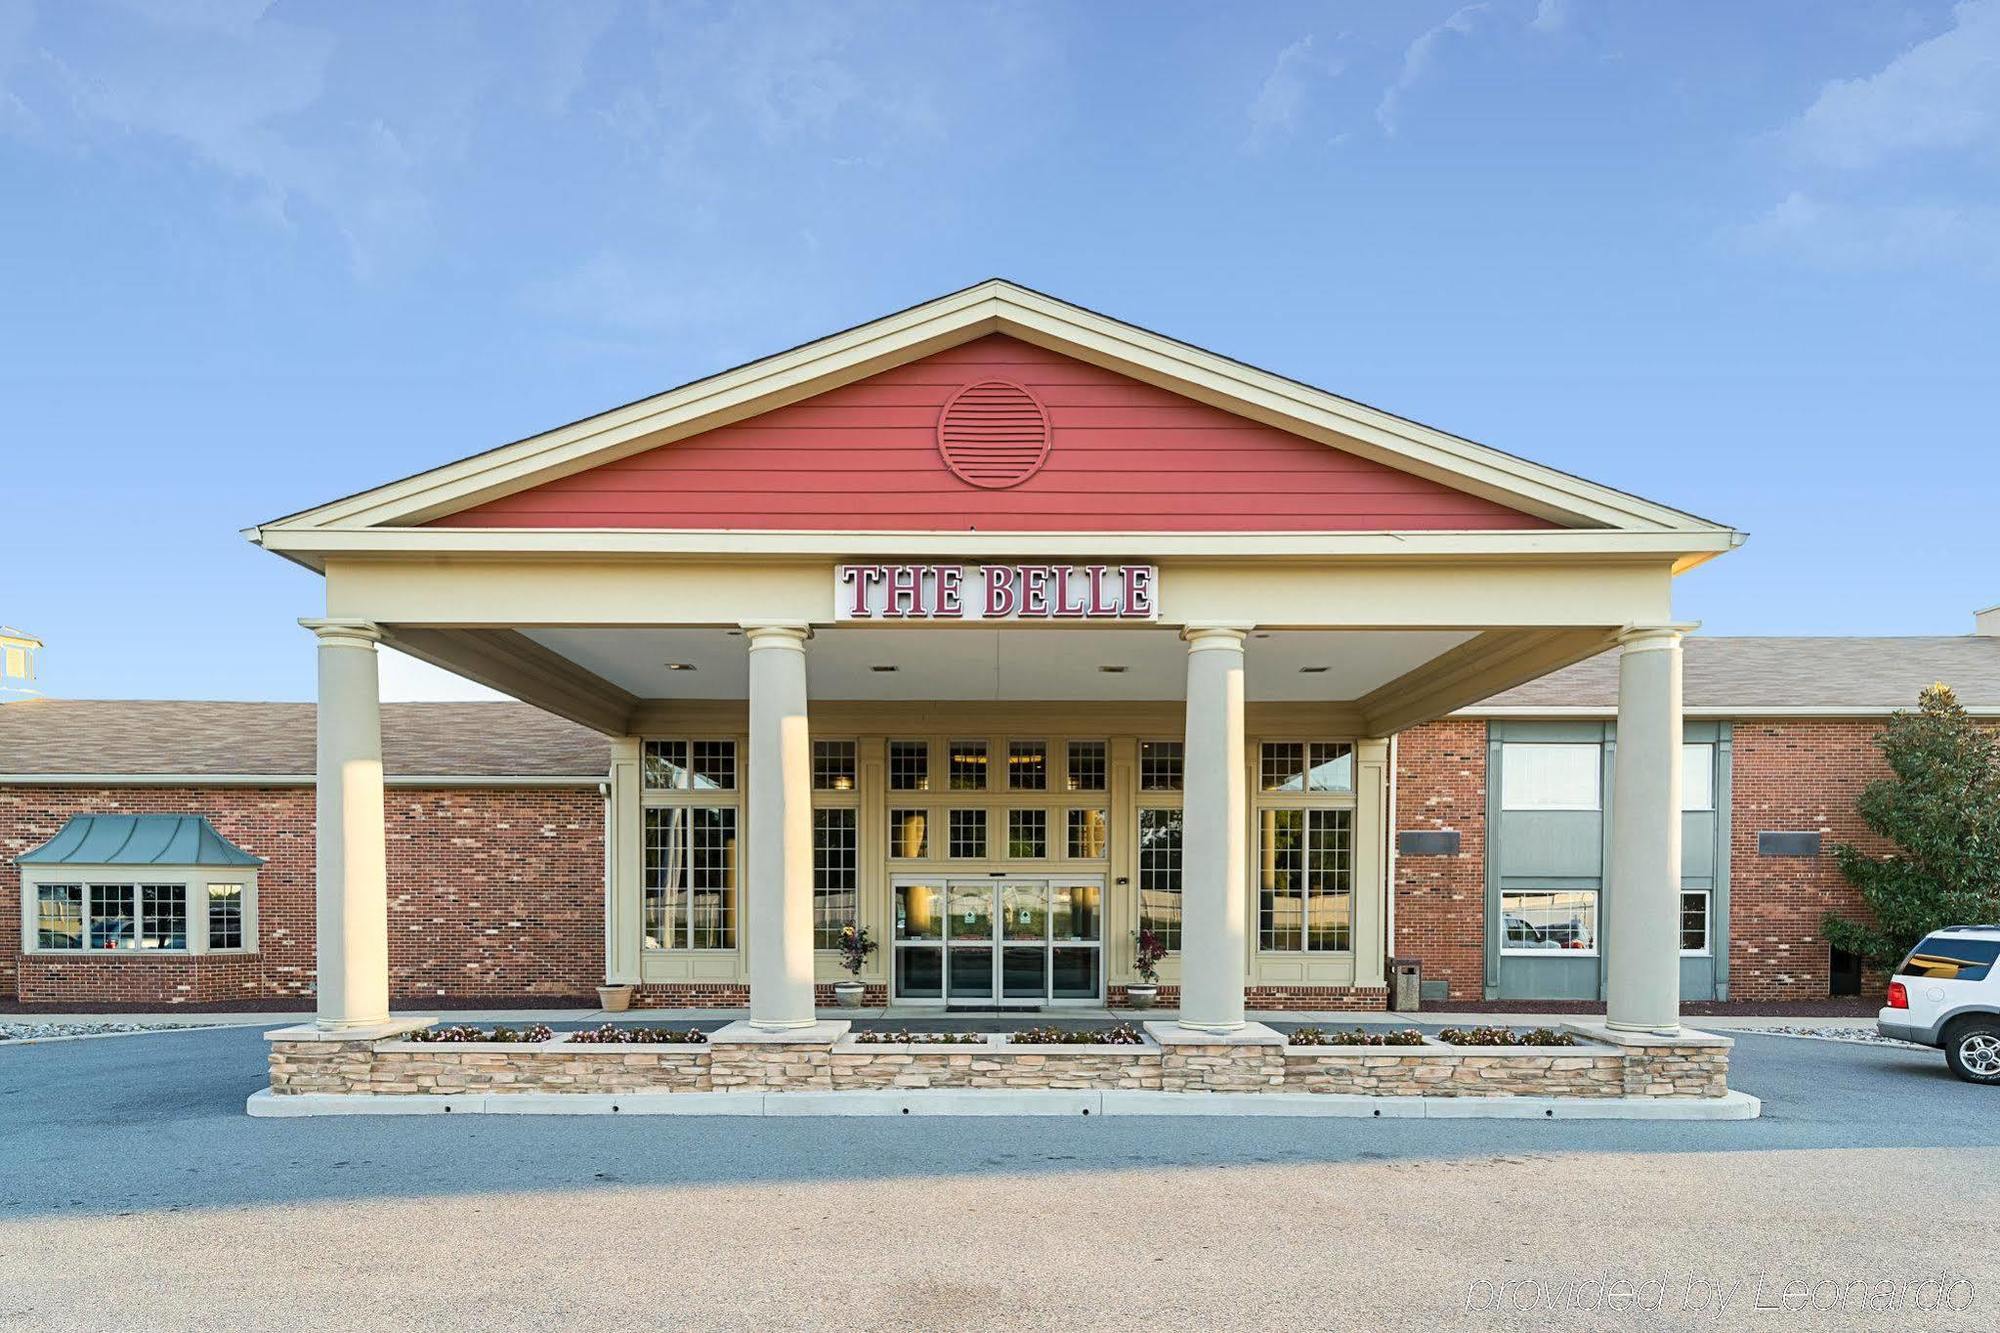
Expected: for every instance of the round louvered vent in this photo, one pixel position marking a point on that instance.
(993, 434)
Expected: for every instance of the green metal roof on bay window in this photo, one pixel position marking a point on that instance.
(139, 840)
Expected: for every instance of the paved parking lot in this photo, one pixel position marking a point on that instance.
(134, 1193)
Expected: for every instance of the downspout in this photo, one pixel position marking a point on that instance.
(1389, 858)
(610, 939)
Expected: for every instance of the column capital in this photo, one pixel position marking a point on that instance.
(776, 634)
(344, 633)
(1219, 634)
(1643, 638)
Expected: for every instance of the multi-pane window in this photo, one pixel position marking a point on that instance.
(836, 868)
(909, 766)
(1537, 775)
(834, 766)
(1159, 867)
(1540, 921)
(1161, 765)
(163, 916)
(1027, 766)
(1306, 766)
(690, 877)
(114, 922)
(178, 916)
(1086, 767)
(967, 839)
(59, 916)
(679, 765)
(1305, 898)
(909, 834)
(1028, 834)
(225, 916)
(968, 765)
(1089, 835)
(1694, 921)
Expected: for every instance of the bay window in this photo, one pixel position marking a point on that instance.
(171, 912)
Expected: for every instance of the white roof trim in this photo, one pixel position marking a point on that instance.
(990, 307)
(281, 780)
(1709, 712)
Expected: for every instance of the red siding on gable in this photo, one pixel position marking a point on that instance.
(1126, 457)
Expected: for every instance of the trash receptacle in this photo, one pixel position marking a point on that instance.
(1406, 985)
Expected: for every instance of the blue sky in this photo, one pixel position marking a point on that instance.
(1741, 258)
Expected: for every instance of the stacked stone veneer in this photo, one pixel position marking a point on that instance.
(1170, 1060)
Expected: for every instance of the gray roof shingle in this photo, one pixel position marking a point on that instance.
(1746, 674)
(193, 737)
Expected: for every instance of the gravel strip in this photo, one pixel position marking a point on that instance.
(1864, 1036)
(15, 1031)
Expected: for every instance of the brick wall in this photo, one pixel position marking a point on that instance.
(1441, 900)
(1794, 776)
(493, 895)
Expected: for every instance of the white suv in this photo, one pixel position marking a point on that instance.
(1947, 994)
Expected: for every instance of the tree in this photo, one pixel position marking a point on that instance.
(1941, 809)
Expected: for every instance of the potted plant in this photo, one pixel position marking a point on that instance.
(855, 946)
(615, 996)
(1147, 951)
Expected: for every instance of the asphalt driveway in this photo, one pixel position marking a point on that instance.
(134, 1193)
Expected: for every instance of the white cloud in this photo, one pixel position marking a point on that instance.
(1550, 16)
(406, 679)
(1942, 94)
(1846, 236)
(1287, 89)
(1419, 58)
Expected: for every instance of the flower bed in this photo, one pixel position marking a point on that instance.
(907, 1038)
(611, 1034)
(1311, 1036)
(1118, 1034)
(463, 1033)
(1505, 1037)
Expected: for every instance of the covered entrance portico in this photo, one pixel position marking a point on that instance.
(1176, 720)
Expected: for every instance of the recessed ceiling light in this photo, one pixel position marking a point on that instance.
(881, 668)
(678, 666)
(1112, 670)
(1311, 671)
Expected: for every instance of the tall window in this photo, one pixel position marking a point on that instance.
(1159, 867)
(225, 916)
(692, 849)
(59, 916)
(1305, 846)
(1694, 921)
(836, 868)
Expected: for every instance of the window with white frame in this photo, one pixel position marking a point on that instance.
(1158, 862)
(1305, 846)
(191, 912)
(1542, 775)
(1694, 922)
(692, 847)
(1540, 922)
(836, 873)
(1698, 776)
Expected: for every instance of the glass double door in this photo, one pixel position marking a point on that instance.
(1018, 941)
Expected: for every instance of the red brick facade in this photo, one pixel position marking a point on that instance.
(1794, 776)
(1441, 900)
(495, 895)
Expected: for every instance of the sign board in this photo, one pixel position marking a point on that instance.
(996, 592)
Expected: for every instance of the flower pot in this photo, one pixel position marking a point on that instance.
(849, 993)
(616, 999)
(1141, 997)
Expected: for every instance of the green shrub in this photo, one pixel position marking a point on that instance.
(1505, 1037)
(1118, 1034)
(611, 1034)
(461, 1032)
(1311, 1036)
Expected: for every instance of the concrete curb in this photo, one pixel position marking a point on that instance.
(99, 1036)
(1007, 1102)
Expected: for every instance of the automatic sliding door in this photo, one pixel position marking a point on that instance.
(1024, 934)
(919, 941)
(1076, 932)
(969, 942)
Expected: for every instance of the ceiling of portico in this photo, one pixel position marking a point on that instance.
(1016, 664)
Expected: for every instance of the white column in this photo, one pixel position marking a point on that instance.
(1214, 832)
(624, 851)
(352, 883)
(1642, 962)
(780, 832)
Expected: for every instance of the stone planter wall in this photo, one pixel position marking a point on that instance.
(825, 1059)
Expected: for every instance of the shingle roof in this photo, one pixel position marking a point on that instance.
(1743, 675)
(106, 736)
(138, 840)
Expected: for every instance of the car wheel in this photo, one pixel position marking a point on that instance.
(1973, 1051)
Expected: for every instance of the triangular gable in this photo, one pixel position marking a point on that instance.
(455, 495)
(997, 435)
